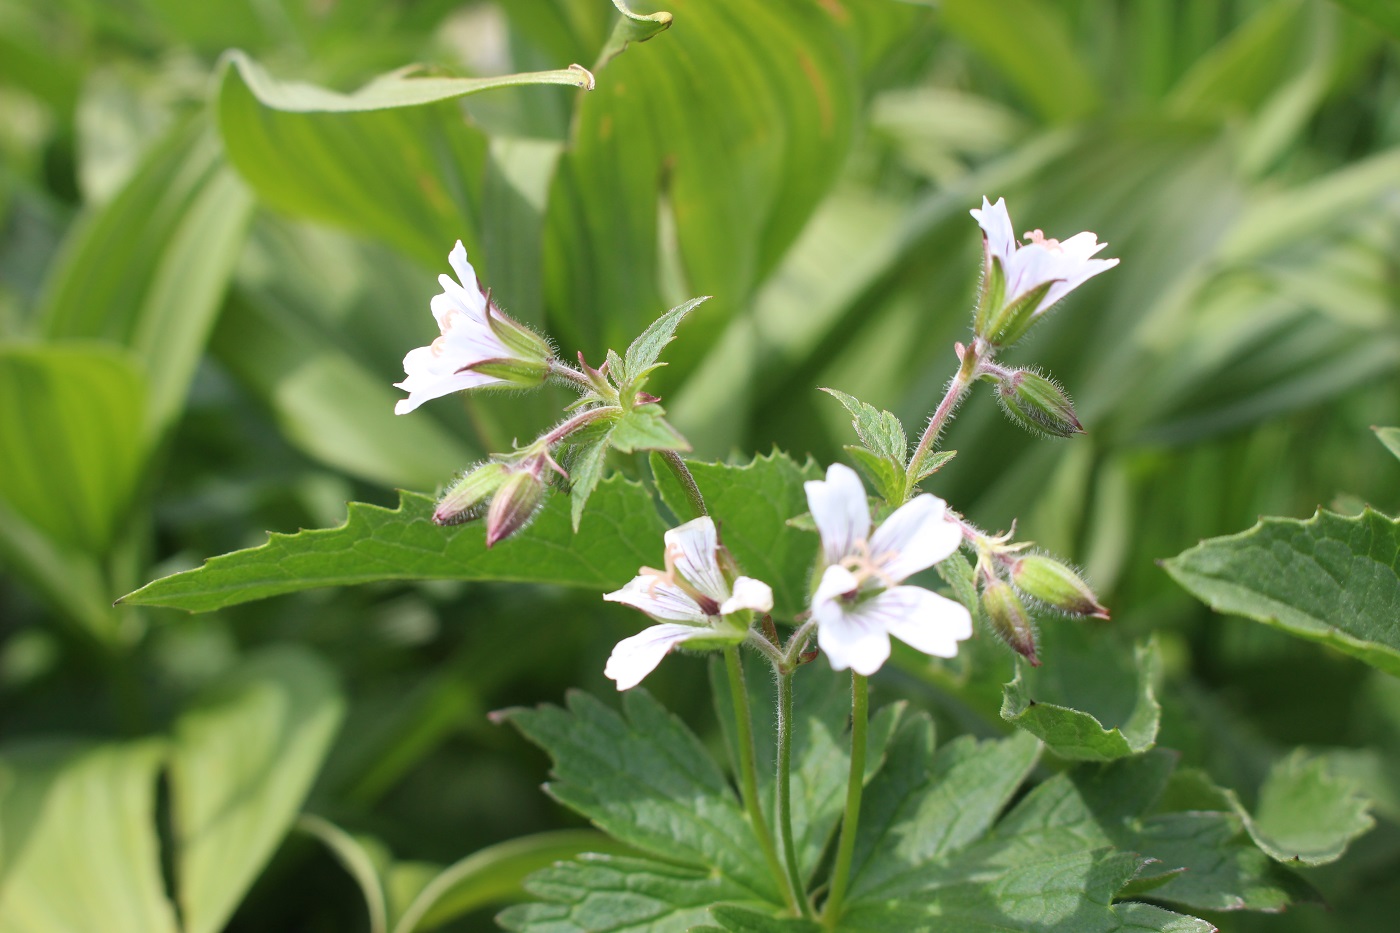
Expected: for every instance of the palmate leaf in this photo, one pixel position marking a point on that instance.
(1333, 579)
(622, 533)
(936, 848)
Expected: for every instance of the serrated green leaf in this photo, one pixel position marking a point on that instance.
(80, 849)
(1390, 437)
(1332, 579)
(648, 782)
(1095, 679)
(957, 572)
(884, 474)
(1305, 814)
(645, 428)
(643, 352)
(879, 431)
(922, 808)
(622, 533)
(752, 504)
(742, 920)
(585, 466)
(931, 463)
(605, 894)
(242, 761)
(1206, 861)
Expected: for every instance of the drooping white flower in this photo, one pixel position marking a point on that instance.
(860, 601)
(478, 345)
(1062, 264)
(692, 598)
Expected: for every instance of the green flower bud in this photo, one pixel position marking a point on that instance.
(514, 505)
(1009, 618)
(1037, 404)
(467, 498)
(1056, 585)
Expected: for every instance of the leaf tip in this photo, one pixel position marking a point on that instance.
(588, 82)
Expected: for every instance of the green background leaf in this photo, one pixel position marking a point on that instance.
(1332, 579)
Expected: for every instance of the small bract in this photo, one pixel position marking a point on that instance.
(860, 602)
(695, 598)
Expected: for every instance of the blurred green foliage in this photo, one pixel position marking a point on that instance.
(205, 293)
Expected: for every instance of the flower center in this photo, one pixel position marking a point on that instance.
(670, 575)
(865, 567)
(1039, 238)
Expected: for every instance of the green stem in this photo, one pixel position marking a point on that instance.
(957, 388)
(748, 772)
(855, 785)
(687, 480)
(785, 791)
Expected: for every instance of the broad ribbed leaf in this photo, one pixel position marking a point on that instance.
(79, 849)
(621, 533)
(1333, 579)
(243, 759)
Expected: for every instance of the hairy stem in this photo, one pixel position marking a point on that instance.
(577, 422)
(855, 786)
(748, 772)
(687, 480)
(785, 792)
(570, 375)
(957, 388)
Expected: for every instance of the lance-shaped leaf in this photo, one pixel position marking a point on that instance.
(643, 352)
(375, 544)
(1333, 579)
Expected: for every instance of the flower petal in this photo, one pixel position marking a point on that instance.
(840, 509)
(996, 224)
(917, 536)
(467, 292)
(423, 387)
(924, 620)
(851, 639)
(658, 599)
(748, 594)
(693, 547)
(634, 658)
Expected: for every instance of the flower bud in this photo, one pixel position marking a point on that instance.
(467, 498)
(514, 505)
(1037, 404)
(1009, 618)
(1056, 585)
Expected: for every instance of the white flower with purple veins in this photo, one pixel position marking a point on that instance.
(1062, 265)
(693, 598)
(860, 601)
(478, 346)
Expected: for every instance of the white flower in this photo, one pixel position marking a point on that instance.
(473, 332)
(693, 597)
(859, 602)
(1064, 264)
